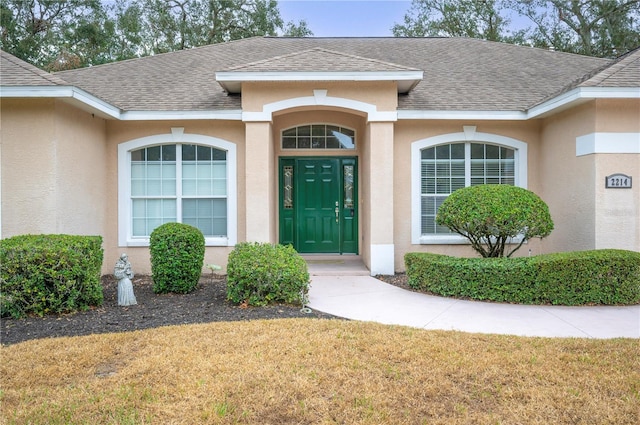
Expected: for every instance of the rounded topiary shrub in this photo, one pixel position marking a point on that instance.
(261, 273)
(177, 256)
(494, 215)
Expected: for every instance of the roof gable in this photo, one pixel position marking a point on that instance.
(319, 64)
(319, 59)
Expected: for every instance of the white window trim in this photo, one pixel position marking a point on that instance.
(468, 135)
(177, 136)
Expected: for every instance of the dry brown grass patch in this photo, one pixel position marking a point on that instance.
(319, 371)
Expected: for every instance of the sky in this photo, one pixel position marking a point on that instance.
(346, 18)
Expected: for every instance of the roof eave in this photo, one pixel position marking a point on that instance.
(552, 106)
(231, 81)
(70, 94)
(580, 95)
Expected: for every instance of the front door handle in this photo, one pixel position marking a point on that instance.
(337, 213)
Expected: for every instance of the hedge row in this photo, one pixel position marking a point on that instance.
(43, 274)
(610, 277)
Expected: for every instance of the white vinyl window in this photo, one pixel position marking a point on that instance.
(439, 168)
(185, 182)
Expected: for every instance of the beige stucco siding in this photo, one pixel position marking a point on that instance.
(617, 116)
(28, 169)
(587, 215)
(568, 181)
(256, 95)
(53, 169)
(617, 211)
(60, 171)
(617, 215)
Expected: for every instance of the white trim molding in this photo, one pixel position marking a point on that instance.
(231, 81)
(561, 102)
(320, 98)
(382, 259)
(608, 143)
(176, 136)
(469, 134)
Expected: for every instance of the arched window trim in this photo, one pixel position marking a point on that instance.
(468, 136)
(355, 136)
(125, 237)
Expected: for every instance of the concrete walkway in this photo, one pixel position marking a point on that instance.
(365, 298)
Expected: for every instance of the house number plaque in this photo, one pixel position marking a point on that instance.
(618, 181)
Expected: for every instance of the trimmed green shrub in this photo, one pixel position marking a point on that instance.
(177, 257)
(262, 273)
(610, 277)
(42, 274)
(491, 215)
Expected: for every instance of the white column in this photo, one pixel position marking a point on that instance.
(380, 199)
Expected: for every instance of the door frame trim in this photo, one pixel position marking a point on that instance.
(280, 200)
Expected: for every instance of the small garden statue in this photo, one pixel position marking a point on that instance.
(124, 274)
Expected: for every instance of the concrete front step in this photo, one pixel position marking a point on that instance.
(335, 265)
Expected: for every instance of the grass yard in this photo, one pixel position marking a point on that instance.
(294, 371)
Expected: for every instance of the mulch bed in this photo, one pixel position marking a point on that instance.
(207, 303)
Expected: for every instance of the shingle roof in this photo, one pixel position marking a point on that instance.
(459, 73)
(319, 60)
(625, 72)
(17, 73)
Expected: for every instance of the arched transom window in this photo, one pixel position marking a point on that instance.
(318, 136)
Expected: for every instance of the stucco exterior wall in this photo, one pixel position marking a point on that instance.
(59, 170)
(53, 169)
(586, 214)
(568, 181)
(382, 94)
(617, 211)
(28, 172)
(617, 215)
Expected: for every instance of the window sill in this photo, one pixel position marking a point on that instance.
(454, 240)
(144, 242)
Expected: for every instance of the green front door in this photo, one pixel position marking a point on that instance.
(318, 204)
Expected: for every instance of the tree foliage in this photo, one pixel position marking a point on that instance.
(604, 28)
(58, 35)
(467, 18)
(491, 216)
